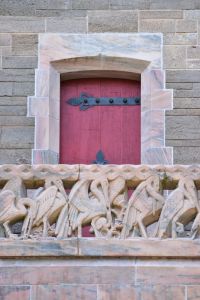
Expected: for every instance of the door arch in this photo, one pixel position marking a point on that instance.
(115, 130)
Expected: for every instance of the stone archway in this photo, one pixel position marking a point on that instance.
(131, 56)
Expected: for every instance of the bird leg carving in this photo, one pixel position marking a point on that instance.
(181, 204)
(141, 207)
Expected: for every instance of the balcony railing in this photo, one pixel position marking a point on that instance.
(113, 201)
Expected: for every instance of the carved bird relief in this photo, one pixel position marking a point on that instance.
(48, 205)
(180, 208)
(143, 208)
(13, 206)
(88, 201)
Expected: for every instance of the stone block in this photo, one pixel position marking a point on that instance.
(196, 85)
(174, 4)
(187, 103)
(16, 137)
(17, 8)
(186, 26)
(23, 88)
(174, 57)
(39, 107)
(5, 39)
(129, 4)
(168, 275)
(53, 4)
(13, 101)
(67, 13)
(112, 21)
(192, 14)
(158, 292)
(15, 62)
(15, 292)
(68, 292)
(187, 156)
(6, 88)
(193, 292)
(157, 26)
(158, 156)
(21, 24)
(38, 248)
(44, 156)
(193, 64)
(182, 75)
(17, 75)
(13, 110)
(180, 86)
(90, 4)
(180, 38)
(6, 50)
(183, 112)
(67, 273)
(68, 25)
(93, 247)
(183, 127)
(117, 292)
(24, 44)
(16, 121)
(187, 93)
(193, 52)
(161, 14)
(12, 156)
(183, 143)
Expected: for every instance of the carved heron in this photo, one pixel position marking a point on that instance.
(144, 207)
(83, 207)
(48, 205)
(14, 206)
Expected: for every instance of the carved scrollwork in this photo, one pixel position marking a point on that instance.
(113, 201)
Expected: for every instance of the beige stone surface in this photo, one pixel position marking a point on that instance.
(21, 24)
(129, 4)
(115, 21)
(193, 292)
(174, 57)
(69, 292)
(117, 292)
(157, 292)
(75, 25)
(182, 127)
(161, 14)
(186, 26)
(16, 292)
(90, 4)
(180, 38)
(157, 26)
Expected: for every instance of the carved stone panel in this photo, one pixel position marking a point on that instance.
(116, 202)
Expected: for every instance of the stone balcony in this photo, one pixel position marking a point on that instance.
(99, 210)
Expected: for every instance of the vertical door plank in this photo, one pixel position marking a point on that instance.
(115, 130)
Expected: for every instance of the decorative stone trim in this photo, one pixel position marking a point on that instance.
(120, 55)
(34, 175)
(98, 197)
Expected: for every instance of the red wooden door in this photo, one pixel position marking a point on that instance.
(113, 129)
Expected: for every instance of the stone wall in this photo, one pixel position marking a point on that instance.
(21, 21)
(100, 279)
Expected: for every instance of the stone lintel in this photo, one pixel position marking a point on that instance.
(97, 247)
